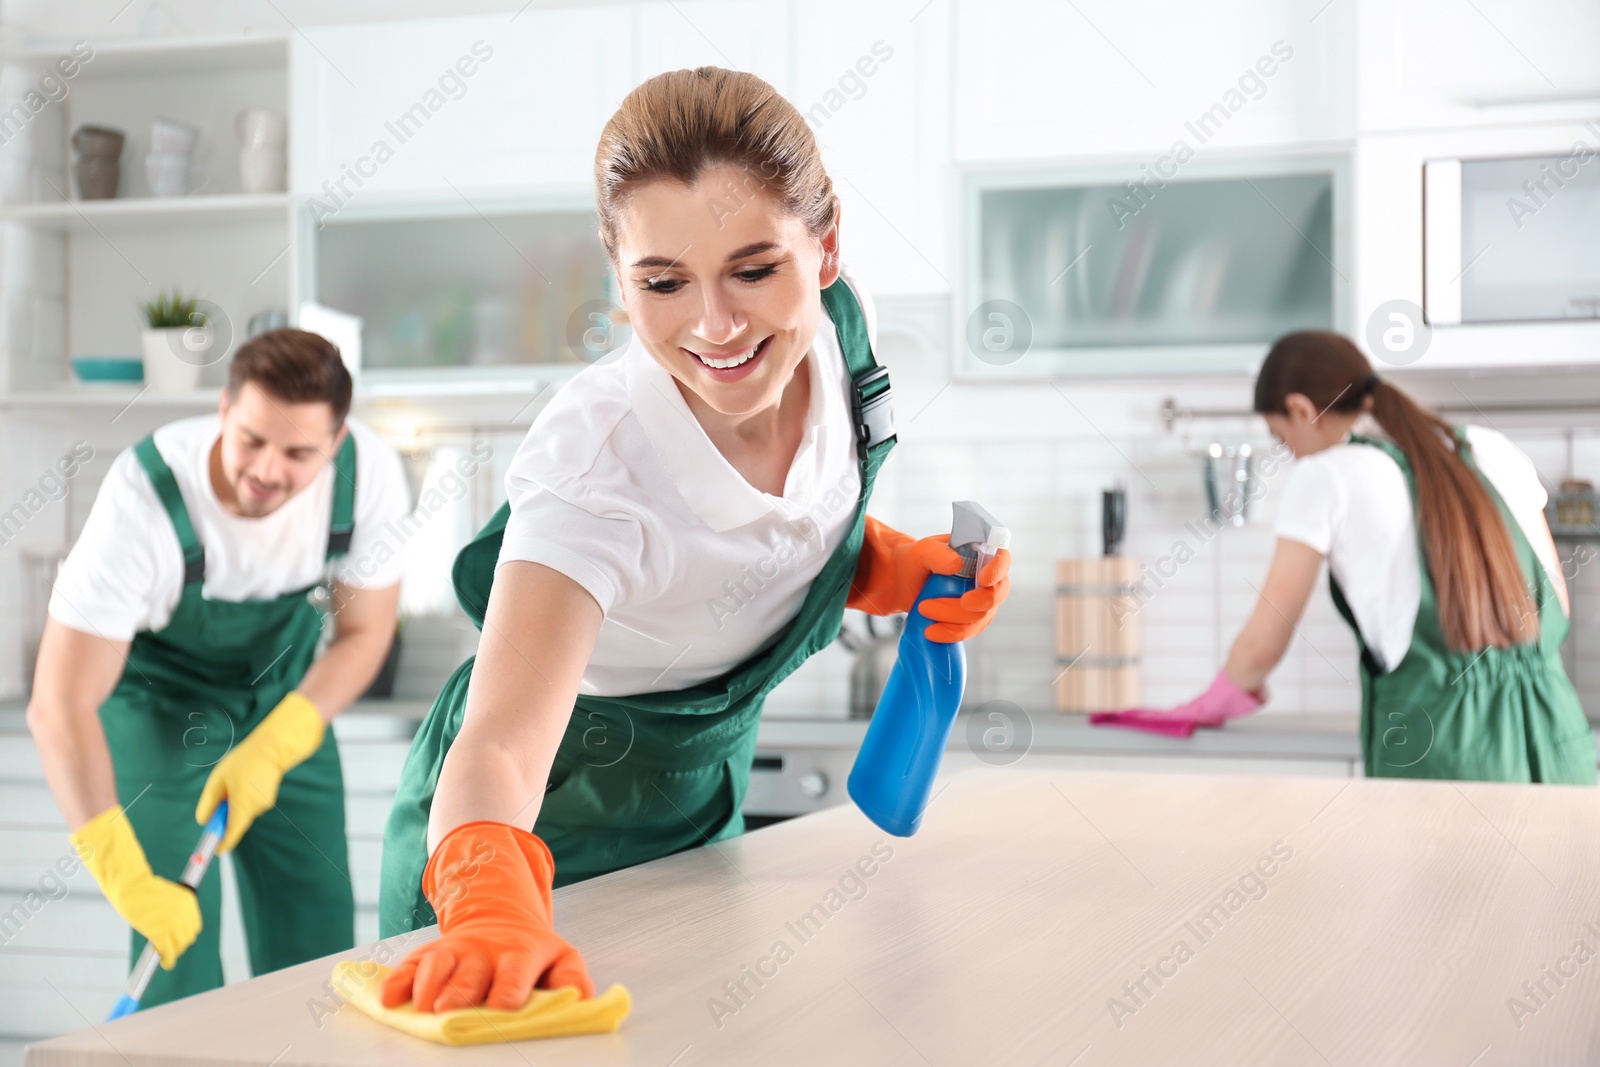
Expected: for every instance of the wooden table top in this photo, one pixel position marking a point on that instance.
(1060, 918)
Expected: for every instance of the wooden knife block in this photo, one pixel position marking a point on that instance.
(1097, 633)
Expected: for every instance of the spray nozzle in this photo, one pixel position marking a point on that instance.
(977, 535)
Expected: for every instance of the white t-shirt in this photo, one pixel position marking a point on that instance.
(125, 574)
(618, 487)
(1351, 503)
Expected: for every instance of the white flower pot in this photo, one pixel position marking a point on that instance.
(174, 358)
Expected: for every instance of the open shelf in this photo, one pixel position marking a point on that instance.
(137, 57)
(467, 383)
(122, 213)
(515, 389)
(108, 396)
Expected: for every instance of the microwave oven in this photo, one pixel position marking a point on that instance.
(1513, 239)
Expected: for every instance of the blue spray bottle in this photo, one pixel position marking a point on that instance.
(894, 771)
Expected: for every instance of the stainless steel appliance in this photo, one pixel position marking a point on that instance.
(1512, 239)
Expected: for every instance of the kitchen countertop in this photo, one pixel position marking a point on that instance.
(1279, 734)
(1041, 917)
(1269, 734)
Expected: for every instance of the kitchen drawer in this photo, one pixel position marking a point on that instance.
(93, 970)
(366, 860)
(36, 1011)
(29, 805)
(82, 921)
(366, 815)
(29, 853)
(19, 758)
(372, 766)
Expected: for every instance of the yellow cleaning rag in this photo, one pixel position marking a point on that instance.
(548, 1012)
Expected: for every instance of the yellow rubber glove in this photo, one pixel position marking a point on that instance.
(167, 913)
(561, 1012)
(249, 776)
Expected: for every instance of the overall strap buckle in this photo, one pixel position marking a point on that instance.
(339, 540)
(194, 565)
(342, 517)
(871, 409)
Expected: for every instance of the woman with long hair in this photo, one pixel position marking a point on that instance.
(1439, 558)
(685, 525)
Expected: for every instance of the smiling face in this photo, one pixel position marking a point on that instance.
(721, 285)
(269, 449)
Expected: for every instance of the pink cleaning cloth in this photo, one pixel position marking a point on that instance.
(1221, 702)
(1148, 720)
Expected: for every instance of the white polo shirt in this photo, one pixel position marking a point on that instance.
(125, 573)
(618, 487)
(1351, 503)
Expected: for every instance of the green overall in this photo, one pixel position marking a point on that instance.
(188, 692)
(1497, 715)
(640, 777)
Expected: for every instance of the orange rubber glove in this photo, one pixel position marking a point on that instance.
(893, 567)
(489, 883)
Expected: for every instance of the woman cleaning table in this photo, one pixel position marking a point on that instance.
(685, 525)
(1441, 561)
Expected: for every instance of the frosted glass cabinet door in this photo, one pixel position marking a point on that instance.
(1192, 275)
(502, 289)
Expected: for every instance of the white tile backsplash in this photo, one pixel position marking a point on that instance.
(1047, 490)
(1039, 465)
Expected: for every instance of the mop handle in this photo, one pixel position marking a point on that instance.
(193, 872)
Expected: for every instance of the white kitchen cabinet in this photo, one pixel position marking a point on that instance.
(750, 35)
(1387, 175)
(472, 102)
(1430, 64)
(873, 81)
(1062, 265)
(76, 942)
(1042, 79)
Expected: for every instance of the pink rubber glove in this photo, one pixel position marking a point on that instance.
(1218, 704)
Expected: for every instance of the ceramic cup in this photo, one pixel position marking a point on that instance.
(168, 174)
(260, 127)
(97, 170)
(262, 169)
(98, 141)
(168, 137)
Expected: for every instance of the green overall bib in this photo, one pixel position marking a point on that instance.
(188, 692)
(1498, 715)
(640, 777)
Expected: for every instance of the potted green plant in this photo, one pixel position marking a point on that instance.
(176, 343)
